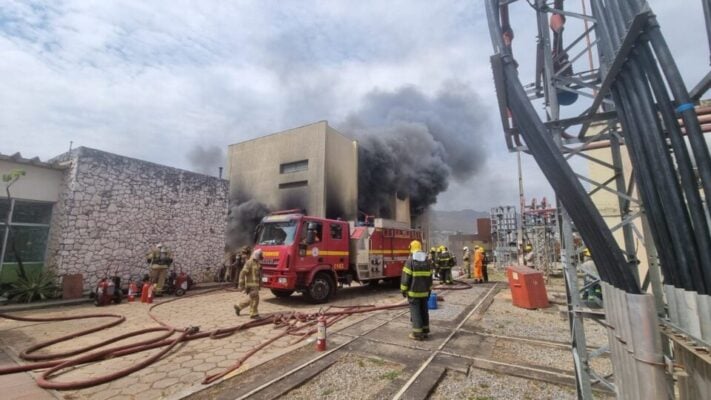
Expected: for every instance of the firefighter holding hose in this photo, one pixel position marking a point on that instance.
(160, 259)
(249, 282)
(415, 285)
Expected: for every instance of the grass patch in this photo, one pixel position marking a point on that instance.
(327, 392)
(377, 361)
(390, 375)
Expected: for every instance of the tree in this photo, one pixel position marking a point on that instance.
(10, 179)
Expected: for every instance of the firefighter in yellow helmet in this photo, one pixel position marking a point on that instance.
(249, 281)
(478, 264)
(445, 262)
(159, 259)
(416, 285)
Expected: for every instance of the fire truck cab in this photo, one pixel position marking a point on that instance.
(316, 255)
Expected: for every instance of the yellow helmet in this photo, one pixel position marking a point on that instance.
(528, 247)
(586, 252)
(415, 246)
(433, 250)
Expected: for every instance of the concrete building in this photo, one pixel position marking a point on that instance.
(35, 197)
(95, 213)
(313, 167)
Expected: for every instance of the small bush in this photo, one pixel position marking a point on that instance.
(39, 286)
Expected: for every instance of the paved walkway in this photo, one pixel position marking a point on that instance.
(180, 372)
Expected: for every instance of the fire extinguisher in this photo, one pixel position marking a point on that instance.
(321, 333)
(144, 292)
(101, 288)
(151, 288)
(132, 289)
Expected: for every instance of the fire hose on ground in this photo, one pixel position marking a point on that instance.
(294, 323)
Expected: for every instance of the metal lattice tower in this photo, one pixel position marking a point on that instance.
(504, 235)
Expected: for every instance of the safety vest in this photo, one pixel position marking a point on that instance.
(444, 260)
(416, 279)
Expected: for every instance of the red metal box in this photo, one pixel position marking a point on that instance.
(527, 287)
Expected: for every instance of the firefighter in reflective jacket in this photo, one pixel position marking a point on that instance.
(415, 285)
(445, 262)
(467, 259)
(159, 258)
(249, 281)
(478, 264)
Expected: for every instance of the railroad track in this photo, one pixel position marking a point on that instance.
(485, 300)
(423, 371)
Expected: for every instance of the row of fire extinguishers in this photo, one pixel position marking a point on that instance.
(108, 290)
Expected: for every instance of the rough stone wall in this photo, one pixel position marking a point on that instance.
(113, 209)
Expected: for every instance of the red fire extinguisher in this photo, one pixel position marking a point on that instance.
(321, 333)
(132, 289)
(151, 288)
(144, 292)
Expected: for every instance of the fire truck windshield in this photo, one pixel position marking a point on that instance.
(275, 233)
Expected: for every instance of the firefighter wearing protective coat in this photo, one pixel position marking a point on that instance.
(478, 264)
(159, 259)
(415, 285)
(467, 259)
(249, 282)
(445, 262)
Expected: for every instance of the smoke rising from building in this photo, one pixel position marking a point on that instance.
(206, 160)
(242, 219)
(412, 144)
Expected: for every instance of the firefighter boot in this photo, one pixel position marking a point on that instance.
(237, 310)
(414, 336)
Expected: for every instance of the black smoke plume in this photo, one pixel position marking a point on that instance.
(242, 220)
(206, 160)
(412, 144)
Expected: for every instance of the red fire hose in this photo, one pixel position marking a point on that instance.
(293, 323)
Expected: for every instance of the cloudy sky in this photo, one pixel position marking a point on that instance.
(175, 82)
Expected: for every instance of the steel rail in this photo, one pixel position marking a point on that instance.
(440, 348)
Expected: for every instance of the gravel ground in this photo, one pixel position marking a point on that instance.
(518, 352)
(352, 377)
(483, 385)
(548, 324)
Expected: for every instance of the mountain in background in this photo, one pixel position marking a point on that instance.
(463, 221)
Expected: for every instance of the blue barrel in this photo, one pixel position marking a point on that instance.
(432, 301)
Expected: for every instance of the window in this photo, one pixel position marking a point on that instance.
(26, 236)
(275, 233)
(295, 166)
(289, 185)
(317, 228)
(336, 231)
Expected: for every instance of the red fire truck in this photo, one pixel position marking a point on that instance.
(315, 255)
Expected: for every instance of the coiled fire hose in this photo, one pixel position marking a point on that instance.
(293, 323)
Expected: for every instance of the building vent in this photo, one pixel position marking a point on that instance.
(295, 184)
(295, 166)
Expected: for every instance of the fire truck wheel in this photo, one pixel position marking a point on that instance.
(321, 289)
(179, 292)
(282, 293)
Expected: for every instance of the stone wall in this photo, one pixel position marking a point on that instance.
(112, 209)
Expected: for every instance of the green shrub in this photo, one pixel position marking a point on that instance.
(41, 286)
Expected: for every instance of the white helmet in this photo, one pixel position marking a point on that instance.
(465, 248)
(257, 254)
